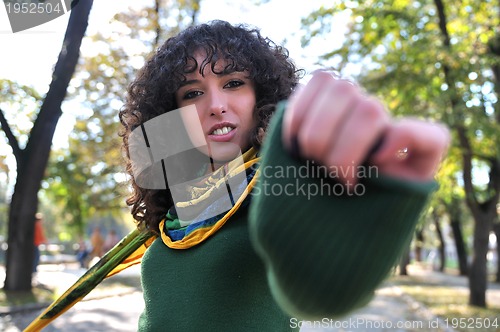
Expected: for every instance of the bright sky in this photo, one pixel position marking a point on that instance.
(29, 56)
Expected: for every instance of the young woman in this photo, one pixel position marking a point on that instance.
(281, 210)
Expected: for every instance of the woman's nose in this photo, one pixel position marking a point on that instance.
(218, 105)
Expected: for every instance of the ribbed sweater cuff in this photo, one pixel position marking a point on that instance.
(326, 253)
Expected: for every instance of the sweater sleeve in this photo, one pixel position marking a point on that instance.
(325, 249)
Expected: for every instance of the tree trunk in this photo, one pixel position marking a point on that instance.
(460, 246)
(454, 209)
(442, 247)
(419, 243)
(478, 274)
(496, 229)
(404, 261)
(32, 161)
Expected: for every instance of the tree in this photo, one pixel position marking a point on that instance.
(454, 211)
(27, 101)
(4, 180)
(452, 197)
(496, 229)
(426, 59)
(32, 159)
(419, 243)
(482, 204)
(436, 217)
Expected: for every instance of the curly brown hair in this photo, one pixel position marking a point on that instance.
(152, 93)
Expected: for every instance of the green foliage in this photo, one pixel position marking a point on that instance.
(400, 55)
(19, 104)
(399, 50)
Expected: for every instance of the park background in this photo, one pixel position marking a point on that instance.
(435, 59)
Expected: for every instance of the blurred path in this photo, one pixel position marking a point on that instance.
(110, 308)
(390, 310)
(118, 308)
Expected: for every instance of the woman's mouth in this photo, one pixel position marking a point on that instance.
(222, 133)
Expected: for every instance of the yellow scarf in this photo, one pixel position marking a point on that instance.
(202, 197)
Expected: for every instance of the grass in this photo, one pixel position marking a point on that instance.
(450, 304)
(38, 295)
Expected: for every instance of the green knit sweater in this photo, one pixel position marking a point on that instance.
(302, 250)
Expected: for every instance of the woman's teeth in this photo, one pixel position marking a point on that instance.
(222, 131)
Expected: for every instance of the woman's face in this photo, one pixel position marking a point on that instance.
(224, 104)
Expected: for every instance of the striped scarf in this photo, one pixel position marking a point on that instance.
(208, 198)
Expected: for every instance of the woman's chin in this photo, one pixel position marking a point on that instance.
(221, 153)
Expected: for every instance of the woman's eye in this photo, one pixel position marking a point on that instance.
(192, 94)
(234, 84)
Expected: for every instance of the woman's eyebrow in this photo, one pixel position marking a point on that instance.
(194, 81)
(188, 82)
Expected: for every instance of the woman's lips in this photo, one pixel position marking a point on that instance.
(220, 134)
